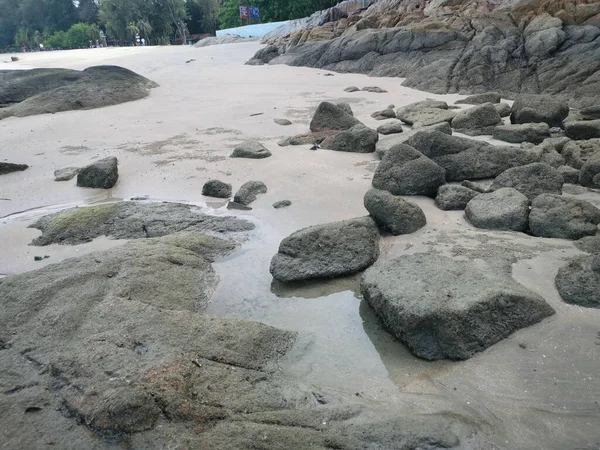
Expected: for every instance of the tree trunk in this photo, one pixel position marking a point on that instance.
(178, 23)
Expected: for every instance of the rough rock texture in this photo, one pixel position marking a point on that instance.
(578, 282)
(102, 174)
(250, 149)
(479, 99)
(529, 132)
(576, 153)
(569, 174)
(385, 143)
(307, 138)
(66, 173)
(556, 216)
(129, 220)
(345, 106)
(446, 309)
(327, 251)
(452, 197)
(469, 159)
(390, 128)
(405, 171)
(585, 129)
(589, 172)
(388, 113)
(590, 113)
(358, 139)
(589, 244)
(539, 108)
(548, 153)
(374, 89)
(43, 91)
(331, 117)
(424, 117)
(6, 167)
(282, 204)
(477, 120)
(504, 209)
(531, 180)
(394, 213)
(503, 109)
(217, 188)
(282, 122)
(248, 192)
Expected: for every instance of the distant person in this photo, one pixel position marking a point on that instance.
(143, 42)
(97, 43)
(41, 47)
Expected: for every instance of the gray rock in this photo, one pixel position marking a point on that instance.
(351, 89)
(424, 117)
(282, 204)
(331, 117)
(250, 149)
(477, 120)
(384, 114)
(503, 109)
(238, 206)
(249, 191)
(307, 138)
(217, 188)
(394, 213)
(585, 129)
(11, 167)
(539, 108)
(548, 153)
(387, 142)
(578, 282)
(375, 89)
(451, 197)
(528, 132)
(590, 113)
(457, 154)
(504, 209)
(576, 153)
(65, 174)
(474, 186)
(479, 99)
(327, 251)
(558, 143)
(282, 122)
(391, 128)
(531, 180)
(344, 106)
(425, 104)
(569, 174)
(446, 309)
(589, 172)
(102, 174)
(405, 171)
(556, 216)
(589, 244)
(358, 139)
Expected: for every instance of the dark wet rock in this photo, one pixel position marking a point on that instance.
(282, 122)
(331, 117)
(384, 114)
(479, 99)
(585, 129)
(478, 120)
(569, 174)
(589, 244)
(578, 282)
(43, 91)
(351, 89)
(503, 109)
(393, 213)
(576, 153)
(327, 251)
(129, 220)
(375, 89)
(590, 112)
(390, 128)
(250, 149)
(307, 138)
(474, 186)
(6, 167)
(452, 197)
(358, 139)
(503, 209)
(102, 174)
(263, 56)
(249, 191)
(385, 143)
(457, 154)
(528, 132)
(66, 173)
(344, 106)
(531, 180)
(556, 216)
(238, 206)
(539, 108)
(446, 309)
(282, 204)
(589, 172)
(405, 171)
(217, 189)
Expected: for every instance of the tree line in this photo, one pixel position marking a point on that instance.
(64, 24)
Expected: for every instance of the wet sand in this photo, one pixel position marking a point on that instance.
(544, 395)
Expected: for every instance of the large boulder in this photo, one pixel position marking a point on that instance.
(503, 109)
(6, 167)
(393, 213)
(557, 216)
(569, 174)
(576, 153)
(248, 192)
(446, 309)
(527, 132)
(452, 197)
(539, 108)
(481, 119)
(531, 180)
(589, 244)
(331, 117)
(327, 251)
(387, 142)
(216, 188)
(358, 139)
(479, 99)
(584, 129)
(578, 282)
(102, 174)
(504, 209)
(469, 159)
(405, 171)
(250, 149)
(590, 171)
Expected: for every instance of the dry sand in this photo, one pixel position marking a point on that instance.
(542, 396)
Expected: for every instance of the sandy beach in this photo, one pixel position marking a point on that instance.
(536, 389)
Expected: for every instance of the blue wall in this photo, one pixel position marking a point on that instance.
(258, 30)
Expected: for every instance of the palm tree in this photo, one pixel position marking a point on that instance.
(145, 28)
(132, 31)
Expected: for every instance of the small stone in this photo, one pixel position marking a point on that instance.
(250, 149)
(217, 188)
(352, 89)
(248, 192)
(390, 128)
(38, 258)
(375, 89)
(65, 174)
(102, 174)
(282, 122)
(282, 204)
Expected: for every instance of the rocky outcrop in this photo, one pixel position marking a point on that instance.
(102, 174)
(504, 209)
(393, 213)
(556, 216)
(531, 180)
(66, 173)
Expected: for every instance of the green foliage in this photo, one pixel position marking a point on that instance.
(57, 41)
(78, 36)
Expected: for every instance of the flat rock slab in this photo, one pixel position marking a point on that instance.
(327, 251)
(6, 167)
(250, 149)
(102, 174)
(66, 173)
(556, 216)
(390, 128)
(130, 220)
(424, 117)
(478, 99)
(527, 132)
(578, 282)
(503, 209)
(446, 309)
(585, 129)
